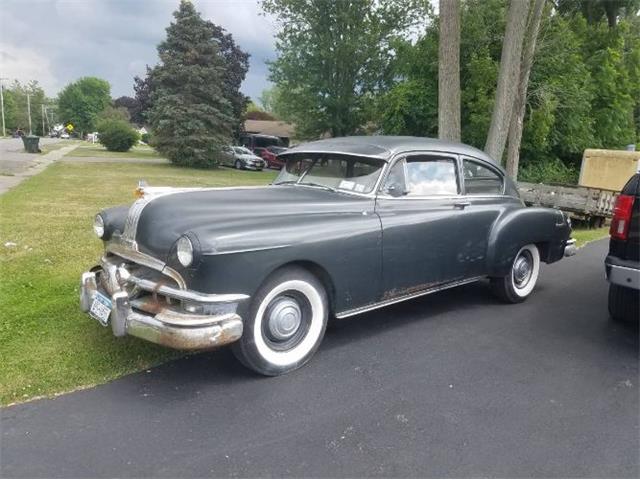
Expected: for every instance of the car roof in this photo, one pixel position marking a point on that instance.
(386, 147)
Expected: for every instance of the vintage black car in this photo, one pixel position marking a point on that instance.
(350, 225)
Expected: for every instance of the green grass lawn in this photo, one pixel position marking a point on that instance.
(96, 150)
(584, 236)
(46, 344)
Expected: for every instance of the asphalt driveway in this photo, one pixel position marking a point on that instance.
(454, 384)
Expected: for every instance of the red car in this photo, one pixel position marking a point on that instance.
(270, 155)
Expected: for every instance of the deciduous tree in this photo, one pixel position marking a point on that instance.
(517, 118)
(334, 57)
(82, 101)
(507, 78)
(449, 71)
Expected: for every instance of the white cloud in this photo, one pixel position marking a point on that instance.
(25, 64)
(58, 41)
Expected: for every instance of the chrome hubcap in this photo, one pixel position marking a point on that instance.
(284, 318)
(522, 269)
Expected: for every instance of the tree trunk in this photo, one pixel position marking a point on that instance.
(611, 9)
(449, 71)
(507, 78)
(520, 102)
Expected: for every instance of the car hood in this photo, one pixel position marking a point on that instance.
(222, 220)
(246, 156)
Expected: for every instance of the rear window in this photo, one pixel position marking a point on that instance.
(481, 180)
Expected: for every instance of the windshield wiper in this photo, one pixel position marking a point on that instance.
(312, 184)
(286, 182)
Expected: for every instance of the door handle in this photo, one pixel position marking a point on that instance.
(461, 204)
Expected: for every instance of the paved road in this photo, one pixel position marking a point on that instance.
(449, 385)
(13, 158)
(16, 165)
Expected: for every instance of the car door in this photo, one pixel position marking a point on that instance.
(419, 206)
(483, 189)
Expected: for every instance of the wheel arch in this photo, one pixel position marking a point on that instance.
(520, 227)
(317, 271)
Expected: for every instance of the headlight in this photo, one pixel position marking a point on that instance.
(185, 251)
(98, 226)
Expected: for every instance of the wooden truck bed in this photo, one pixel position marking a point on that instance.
(594, 205)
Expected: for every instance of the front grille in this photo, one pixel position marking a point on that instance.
(110, 283)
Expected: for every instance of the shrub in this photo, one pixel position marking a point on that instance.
(145, 137)
(117, 135)
(548, 170)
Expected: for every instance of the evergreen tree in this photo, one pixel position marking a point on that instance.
(190, 117)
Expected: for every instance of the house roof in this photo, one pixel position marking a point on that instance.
(269, 127)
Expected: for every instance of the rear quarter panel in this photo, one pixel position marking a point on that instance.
(519, 226)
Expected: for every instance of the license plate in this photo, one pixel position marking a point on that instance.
(101, 308)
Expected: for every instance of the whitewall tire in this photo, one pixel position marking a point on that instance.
(518, 284)
(286, 323)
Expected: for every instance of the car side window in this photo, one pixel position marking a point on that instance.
(481, 180)
(426, 176)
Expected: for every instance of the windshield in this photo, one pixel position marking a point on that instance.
(243, 151)
(333, 171)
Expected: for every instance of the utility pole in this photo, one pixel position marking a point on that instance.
(29, 112)
(4, 132)
(42, 114)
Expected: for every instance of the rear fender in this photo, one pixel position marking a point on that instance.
(545, 227)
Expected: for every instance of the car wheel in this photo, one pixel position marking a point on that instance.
(623, 303)
(286, 323)
(516, 286)
(238, 165)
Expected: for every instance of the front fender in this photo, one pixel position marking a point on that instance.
(545, 227)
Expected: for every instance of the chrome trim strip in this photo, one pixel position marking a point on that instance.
(134, 255)
(246, 250)
(402, 298)
(131, 223)
(189, 295)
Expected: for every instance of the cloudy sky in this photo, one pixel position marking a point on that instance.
(58, 41)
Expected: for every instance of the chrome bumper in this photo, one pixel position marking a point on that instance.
(624, 276)
(171, 326)
(570, 248)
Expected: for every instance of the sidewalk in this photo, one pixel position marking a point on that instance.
(16, 167)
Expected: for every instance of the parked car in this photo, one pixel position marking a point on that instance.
(622, 265)
(65, 135)
(257, 142)
(270, 155)
(352, 224)
(241, 158)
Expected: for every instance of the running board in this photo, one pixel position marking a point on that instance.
(409, 296)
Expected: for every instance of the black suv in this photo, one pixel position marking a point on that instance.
(623, 262)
